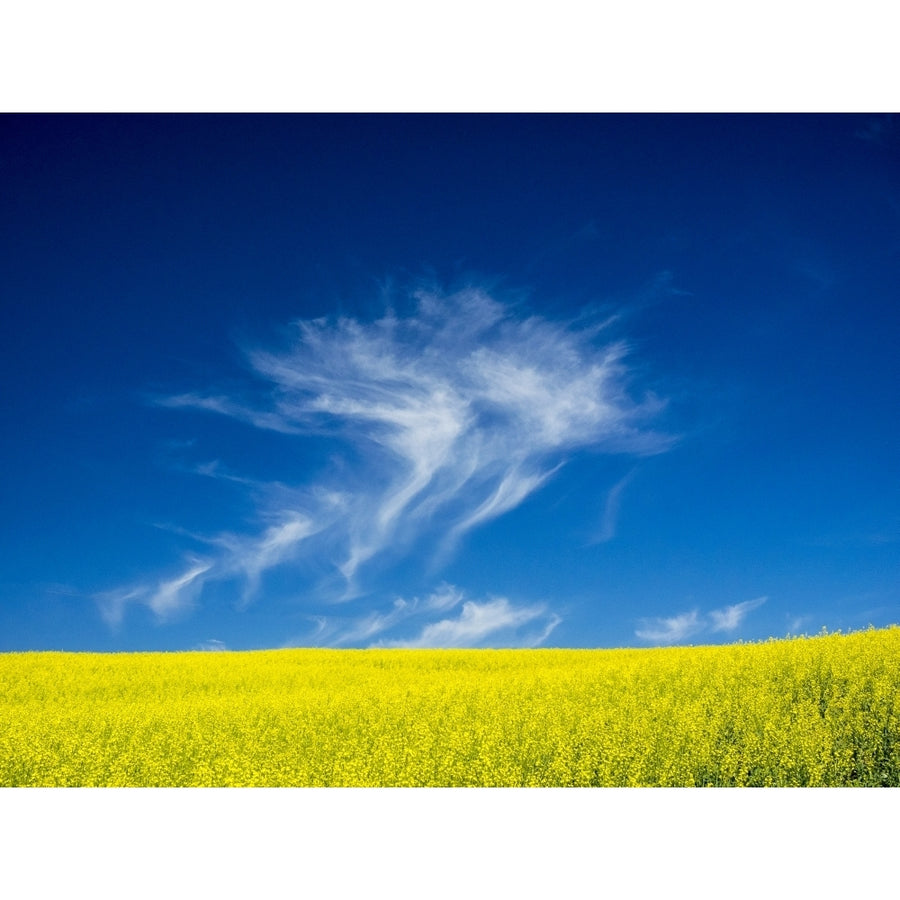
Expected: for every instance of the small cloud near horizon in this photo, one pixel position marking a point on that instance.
(446, 618)
(678, 628)
(212, 646)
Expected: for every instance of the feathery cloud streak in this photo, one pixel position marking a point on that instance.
(607, 530)
(678, 628)
(166, 599)
(455, 415)
(461, 409)
(729, 618)
(495, 622)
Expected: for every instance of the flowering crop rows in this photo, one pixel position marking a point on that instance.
(816, 711)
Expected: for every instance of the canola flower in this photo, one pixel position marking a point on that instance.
(822, 711)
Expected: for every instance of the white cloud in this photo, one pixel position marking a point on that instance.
(511, 491)
(678, 628)
(495, 623)
(112, 604)
(254, 556)
(451, 417)
(375, 623)
(173, 596)
(444, 598)
(609, 523)
(211, 646)
(227, 407)
(730, 617)
(166, 599)
(670, 630)
(796, 623)
(462, 410)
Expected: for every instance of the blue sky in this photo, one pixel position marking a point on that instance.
(353, 381)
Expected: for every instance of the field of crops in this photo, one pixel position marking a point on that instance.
(811, 711)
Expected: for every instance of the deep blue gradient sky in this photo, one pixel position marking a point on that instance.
(447, 380)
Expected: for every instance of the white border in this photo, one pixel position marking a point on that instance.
(469, 55)
(448, 843)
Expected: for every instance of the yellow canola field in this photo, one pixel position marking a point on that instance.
(808, 711)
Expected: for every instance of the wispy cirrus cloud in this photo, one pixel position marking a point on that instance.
(450, 416)
(211, 646)
(253, 556)
(610, 520)
(446, 618)
(730, 617)
(670, 630)
(462, 409)
(678, 628)
(495, 623)
(166, 597)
